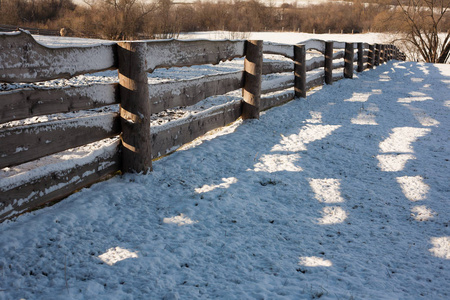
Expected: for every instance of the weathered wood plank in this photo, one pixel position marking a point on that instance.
(315, 63)
(338, 76)
(274, 100)
(315, 80)
(175, 53)
(22, 59)
(277, 67)
(54, 177)
(318, 45)
(26, 143)
(26, 103)
(277, 84)
(269, 101)
(278, 49)
(338, 64)
(338, 55)
(167, 138)
(189, 92)
(339, 45)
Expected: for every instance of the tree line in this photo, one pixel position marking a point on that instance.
(134, 19)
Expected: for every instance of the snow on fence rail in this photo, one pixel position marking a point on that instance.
(47, 161)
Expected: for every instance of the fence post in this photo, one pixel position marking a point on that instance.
(348, 60)
(252, 79)
(134, 107)
(371, 57)
(360, 57)
(328, 62)
(300, 71)
(383, 54)
(377, 54)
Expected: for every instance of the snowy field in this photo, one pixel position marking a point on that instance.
(343, 195)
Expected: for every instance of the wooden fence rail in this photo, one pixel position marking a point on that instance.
(50, 159)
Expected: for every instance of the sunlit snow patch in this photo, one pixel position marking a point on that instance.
(308, 134)
(421, 116)
(179, 220)
(425, 120)
(385, 77)
(401, 138)
(441, 247)
(359, 97)
(417, 93)
(277, 163)
(413, 187)
(414, 99)
(393, 162)
(326, 190)
(423, 68)
(332, 215)
(316, 117)
(227, 182)
(364, 118)
(314, 261)
(114, 255)
(366, 115)
(422, 213)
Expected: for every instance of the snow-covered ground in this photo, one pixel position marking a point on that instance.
(290, 37)
(343, 195)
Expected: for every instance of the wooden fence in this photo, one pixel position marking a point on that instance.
(32, 30)
(47, 161)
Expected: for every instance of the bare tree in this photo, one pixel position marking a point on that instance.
(424, 27)
(119, 19)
